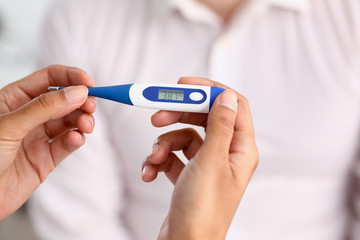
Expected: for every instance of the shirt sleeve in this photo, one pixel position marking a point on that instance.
(83, 197)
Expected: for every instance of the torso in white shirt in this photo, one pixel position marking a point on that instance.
(298, 64)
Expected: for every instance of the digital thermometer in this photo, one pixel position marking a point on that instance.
(172, 97)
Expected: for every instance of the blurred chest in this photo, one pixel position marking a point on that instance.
(305, 97)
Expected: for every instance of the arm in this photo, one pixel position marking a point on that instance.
(39, 129)
(209, 188)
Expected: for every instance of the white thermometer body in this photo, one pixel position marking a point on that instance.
(171, 97)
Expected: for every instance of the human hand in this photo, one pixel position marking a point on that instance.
(38, 129)
(209, 188)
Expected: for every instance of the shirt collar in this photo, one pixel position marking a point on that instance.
(196, 11)
(300, 6)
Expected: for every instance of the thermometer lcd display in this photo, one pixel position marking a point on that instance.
(171, 95)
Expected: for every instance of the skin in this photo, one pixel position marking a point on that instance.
(38, 129)
(224, 8)
(209, 188)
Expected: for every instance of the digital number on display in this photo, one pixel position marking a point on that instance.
(171, 95)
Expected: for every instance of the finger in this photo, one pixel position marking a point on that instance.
(220, 129)
(172, 166)
(166, 118)
(244, 127)
(89, 106)
(201, 81)
(46, 107)
(173, 171)
(63, 146)
(187, 140)
(22, 91)
(243, 146)
(84, 122)
(149, 171)
(55, 75)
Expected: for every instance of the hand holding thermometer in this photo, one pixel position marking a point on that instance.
(171, 97)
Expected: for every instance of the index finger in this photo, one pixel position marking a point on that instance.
(20, 92)
(55, 75)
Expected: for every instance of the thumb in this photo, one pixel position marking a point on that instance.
(220, 126)
(48, 106)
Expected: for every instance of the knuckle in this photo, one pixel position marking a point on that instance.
(191, 132)
(227, 123)
(52, 67)
(169, 162)
(161, 138)
(243, 100)
(46, 102)
(174, 134)
(67, 122)
(51, 71)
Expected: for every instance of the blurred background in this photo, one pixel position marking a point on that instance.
(20, 26)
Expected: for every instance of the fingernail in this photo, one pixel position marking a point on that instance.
(155, 149)
(146, 170)
(92, 99)
(75, 94)
(76, 71)
(90, 120)
(229, 99)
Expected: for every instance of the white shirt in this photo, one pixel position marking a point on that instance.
(297, 62)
